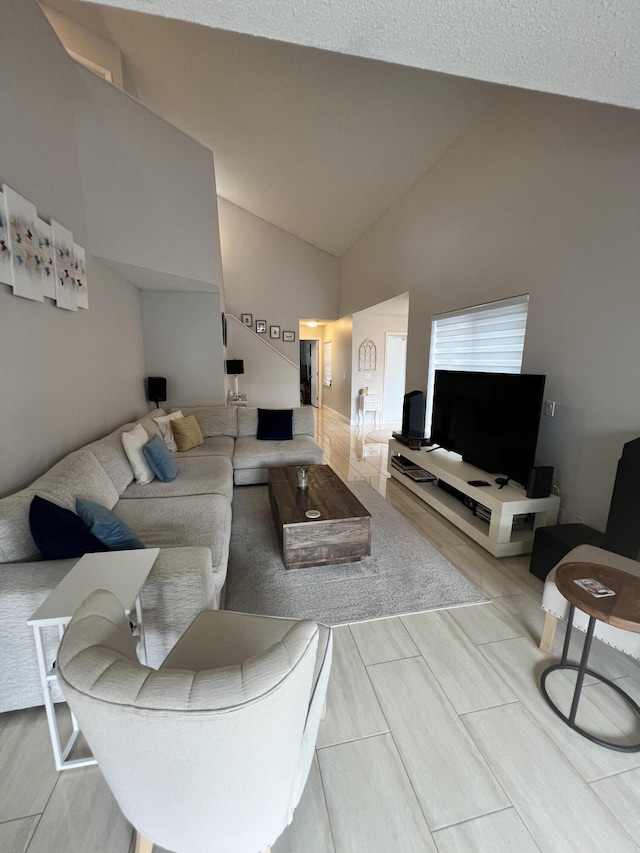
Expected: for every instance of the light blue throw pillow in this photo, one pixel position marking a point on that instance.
(107, 527)
(160, 460)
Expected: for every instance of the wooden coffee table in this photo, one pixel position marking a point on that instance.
(342, 532)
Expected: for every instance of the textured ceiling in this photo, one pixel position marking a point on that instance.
(321, 142)
(317, 143)
(582, 48)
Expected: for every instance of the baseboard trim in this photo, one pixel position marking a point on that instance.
(339, 415)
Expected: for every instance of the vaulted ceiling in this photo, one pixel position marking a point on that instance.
(322, 114)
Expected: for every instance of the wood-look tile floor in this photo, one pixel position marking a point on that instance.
(436, 736)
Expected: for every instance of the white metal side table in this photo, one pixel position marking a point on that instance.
(121, 572)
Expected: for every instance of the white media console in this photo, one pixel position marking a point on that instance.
(500, 536)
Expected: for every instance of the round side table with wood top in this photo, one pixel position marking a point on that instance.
(621, 610)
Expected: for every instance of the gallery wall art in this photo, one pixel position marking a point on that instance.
(38, 259)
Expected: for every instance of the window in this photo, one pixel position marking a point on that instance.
(486, 337)
(328, 358)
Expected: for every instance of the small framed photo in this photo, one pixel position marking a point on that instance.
(274, 331)
(261, 327)
(288, 336)
(247, 319)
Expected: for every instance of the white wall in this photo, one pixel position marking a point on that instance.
(183, 342)
(65, 377)
(149, 189)
(540, 195)
(86, 44)
(373, 325)
(273, 275)
(92, 158)
(270, 380)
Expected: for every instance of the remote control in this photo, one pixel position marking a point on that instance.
(478, 483)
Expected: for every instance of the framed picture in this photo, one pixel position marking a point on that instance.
(261, 327)
(274, 331)
(288, 336)
(224, 331)
(247, 319)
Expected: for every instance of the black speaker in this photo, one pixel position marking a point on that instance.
(156, 389)
(413, 415)
(540, 481)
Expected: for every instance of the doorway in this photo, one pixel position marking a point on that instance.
(395, 368)
(309, 385)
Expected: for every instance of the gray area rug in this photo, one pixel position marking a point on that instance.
(404, 574)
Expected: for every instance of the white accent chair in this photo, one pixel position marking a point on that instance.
(557, 606)
(211, 751)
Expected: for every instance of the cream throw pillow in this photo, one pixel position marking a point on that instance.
(133, 442)
(187, 433)
(166, 432)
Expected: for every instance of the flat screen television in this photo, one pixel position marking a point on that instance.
(490, 419)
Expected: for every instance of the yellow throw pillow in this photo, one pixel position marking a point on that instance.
(187, 433)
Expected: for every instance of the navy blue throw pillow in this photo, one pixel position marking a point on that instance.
(60, 533)
(275, 424)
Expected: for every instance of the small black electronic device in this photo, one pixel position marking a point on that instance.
(540, 481)
(478, 482)
(420, 475)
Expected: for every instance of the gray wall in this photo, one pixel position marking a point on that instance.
(149, 189)
(338, 397)
(64, 377)
(274, 276)
(540, 195)
(132, 190)
(183, 342)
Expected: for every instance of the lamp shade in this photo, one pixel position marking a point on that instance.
(235, 366)
(156, 388)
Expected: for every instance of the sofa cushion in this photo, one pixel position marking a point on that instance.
(169, 522)
(60, 533)
(16, 541)
(164, 425)
(182, 583)
(78, 475)
(160, 460)
(110, 454)
(303, 420)
(107, 527)
(187, 432)
(215, 420)
(133, 442)
(252, 453)
(204, 475)
(247, 420)
(217, 445)
(25, 586)
(275, 425)
(148, 422)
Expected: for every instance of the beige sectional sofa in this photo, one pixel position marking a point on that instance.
(189, 519)
(235, 435)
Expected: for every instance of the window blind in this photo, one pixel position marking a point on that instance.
(486, 337)
(327, 360)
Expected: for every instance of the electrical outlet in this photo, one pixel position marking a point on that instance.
(550, 408)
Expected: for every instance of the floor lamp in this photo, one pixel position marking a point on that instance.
(235, 367)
